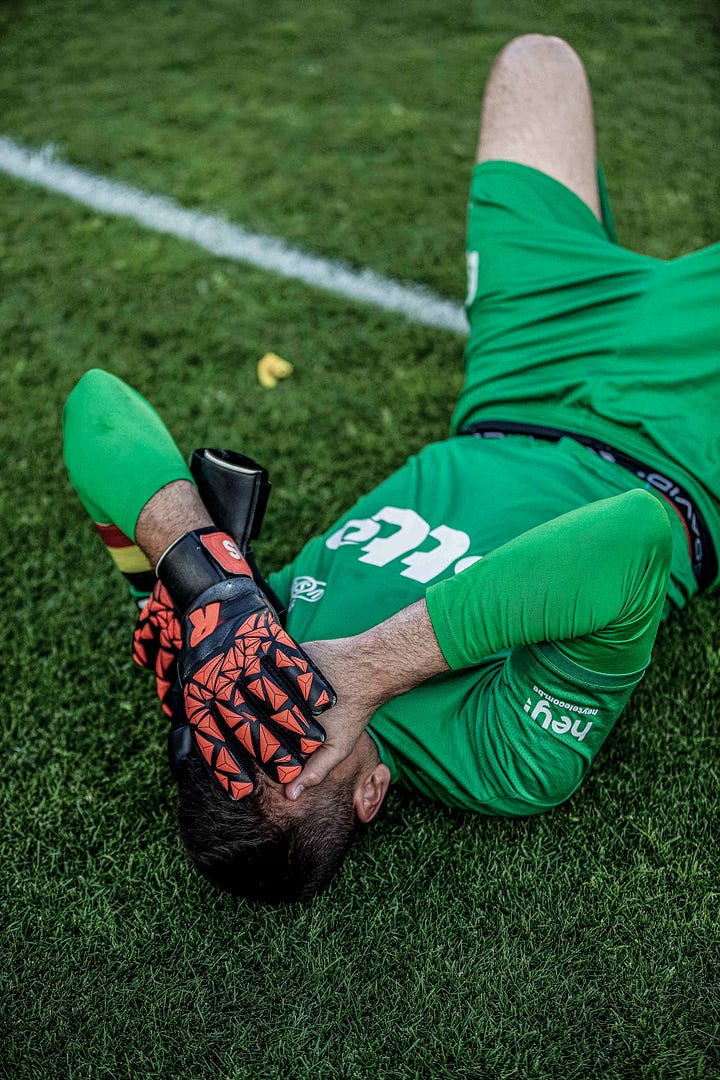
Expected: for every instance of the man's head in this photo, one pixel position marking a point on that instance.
(267, 848)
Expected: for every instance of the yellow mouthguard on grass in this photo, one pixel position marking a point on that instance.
(271, 368)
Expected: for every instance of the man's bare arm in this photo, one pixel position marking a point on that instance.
(367, 670)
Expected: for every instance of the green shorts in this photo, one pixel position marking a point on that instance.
(570, 330)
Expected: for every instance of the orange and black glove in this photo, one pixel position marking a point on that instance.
(157, 641)
(251, 694)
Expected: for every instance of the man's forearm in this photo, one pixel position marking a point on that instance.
(395, 656)
(366, 671)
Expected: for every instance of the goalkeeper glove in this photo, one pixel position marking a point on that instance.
(157, 641)
(251, 694)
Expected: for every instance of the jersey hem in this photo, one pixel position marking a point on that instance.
(551, 654)
(603, 230)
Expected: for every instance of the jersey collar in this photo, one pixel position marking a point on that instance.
(385, 756)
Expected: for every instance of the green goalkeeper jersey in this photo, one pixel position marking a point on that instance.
(464, 738)
(544, 591)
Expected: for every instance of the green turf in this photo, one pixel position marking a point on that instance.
(579, 944)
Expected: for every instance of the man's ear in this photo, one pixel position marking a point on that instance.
(370, 792)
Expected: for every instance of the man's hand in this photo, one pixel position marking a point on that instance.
(367, 670)
(358, 698)
(251, 693)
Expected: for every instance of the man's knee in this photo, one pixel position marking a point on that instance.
(539, 59)
(537, 111)
(542, 50)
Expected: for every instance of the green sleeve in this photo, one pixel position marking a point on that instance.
(117, 450)
(593, 579)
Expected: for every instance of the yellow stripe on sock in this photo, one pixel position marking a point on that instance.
(129, 560)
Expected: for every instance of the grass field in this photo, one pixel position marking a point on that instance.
(579, 944)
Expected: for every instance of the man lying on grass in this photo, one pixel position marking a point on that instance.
(484, 615)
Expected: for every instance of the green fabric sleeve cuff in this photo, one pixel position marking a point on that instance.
(557, 658)
(384, 754)
(117, 450)
(442, 624)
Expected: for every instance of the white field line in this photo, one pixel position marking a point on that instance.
(221, 237)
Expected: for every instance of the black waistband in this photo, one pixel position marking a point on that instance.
(700, 544)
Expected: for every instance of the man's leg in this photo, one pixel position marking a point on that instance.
(537, 111)
(549, 289)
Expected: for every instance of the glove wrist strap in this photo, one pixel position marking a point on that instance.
(197, 561)
(235, 490)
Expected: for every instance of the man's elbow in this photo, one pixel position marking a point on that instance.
(648, 519)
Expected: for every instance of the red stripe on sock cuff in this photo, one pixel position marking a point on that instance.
(113, 537)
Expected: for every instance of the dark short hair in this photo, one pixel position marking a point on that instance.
(249, 850)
